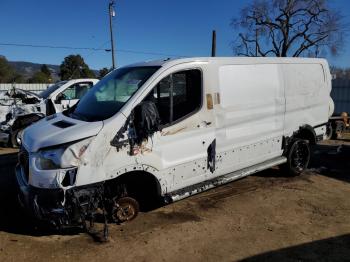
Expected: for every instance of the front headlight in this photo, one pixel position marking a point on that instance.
(49, 159)
(46, 164)
(70, 155)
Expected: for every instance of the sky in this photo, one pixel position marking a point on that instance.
(181, 28)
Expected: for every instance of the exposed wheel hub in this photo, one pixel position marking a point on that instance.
(125, 209)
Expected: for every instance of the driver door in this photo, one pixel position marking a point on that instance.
(188, 129)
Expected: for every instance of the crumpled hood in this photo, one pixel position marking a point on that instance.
(18, 102)
(56, 130)
(23, 95)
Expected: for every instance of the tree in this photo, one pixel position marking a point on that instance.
(39, 77)
(18, 78)
(74, 67)
(43, 76)
(289, 28)
(7, 73)
(104, 71)
(45, 69)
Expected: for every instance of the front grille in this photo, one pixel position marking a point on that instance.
(48, 198)
(23, 159)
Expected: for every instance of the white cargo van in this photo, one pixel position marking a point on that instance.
(170, 129)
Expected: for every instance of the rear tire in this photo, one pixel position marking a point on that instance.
(298, 158)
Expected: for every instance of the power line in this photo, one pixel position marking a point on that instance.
(54, 47)
(86, 56)
(91, 48)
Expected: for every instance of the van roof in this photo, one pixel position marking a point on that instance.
(229, 60)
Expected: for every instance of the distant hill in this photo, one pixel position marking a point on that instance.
(28, 69)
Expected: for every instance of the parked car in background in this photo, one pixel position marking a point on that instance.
(170, 129)
(339, 123)
(20, 108)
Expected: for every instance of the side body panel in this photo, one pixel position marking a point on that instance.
(250, 115)
(307, 91)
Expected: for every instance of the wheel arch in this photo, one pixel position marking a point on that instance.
(306, 132)
(139, 178)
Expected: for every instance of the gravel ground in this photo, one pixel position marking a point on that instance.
(267, 216)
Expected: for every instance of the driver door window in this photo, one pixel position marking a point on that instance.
(177, 96)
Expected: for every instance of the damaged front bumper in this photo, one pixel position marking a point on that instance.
(42, 204)
(58, 207)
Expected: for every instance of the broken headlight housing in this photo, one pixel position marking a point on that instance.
(65, 156)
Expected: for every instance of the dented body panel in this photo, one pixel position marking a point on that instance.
(247, 108)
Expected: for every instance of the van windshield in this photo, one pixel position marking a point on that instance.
(110, 94)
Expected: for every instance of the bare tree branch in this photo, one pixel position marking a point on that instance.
(289, 28)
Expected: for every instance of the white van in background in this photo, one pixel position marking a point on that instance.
(20, 108)
(170, 129)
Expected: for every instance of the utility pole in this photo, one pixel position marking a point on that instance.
(111, 15)
(256, 40)
(256, 36)
(213, 44)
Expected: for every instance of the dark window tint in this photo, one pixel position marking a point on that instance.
(177, 95)
(186, 93)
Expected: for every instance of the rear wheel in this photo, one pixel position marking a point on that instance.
(298, 157)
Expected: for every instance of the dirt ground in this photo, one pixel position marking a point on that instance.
(267, 216)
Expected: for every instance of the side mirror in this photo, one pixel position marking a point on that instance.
(146, 119)
(143, 122)
(59, 98)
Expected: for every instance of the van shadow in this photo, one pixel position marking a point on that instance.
(13, 218)
(327, 160)
(331, 161)
(330, 249)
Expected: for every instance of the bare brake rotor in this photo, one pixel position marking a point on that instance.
(125, 209)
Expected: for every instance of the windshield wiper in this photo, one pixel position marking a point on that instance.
(78, 116)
